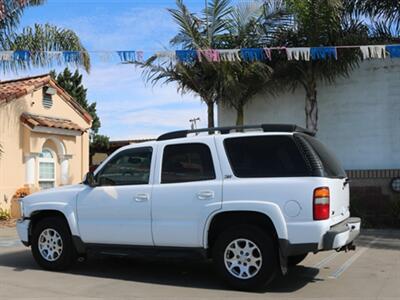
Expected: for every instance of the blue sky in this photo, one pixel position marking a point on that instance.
(128, 107)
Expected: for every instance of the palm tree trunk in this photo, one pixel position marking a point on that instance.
(210, 114)
(239, 115)
(311, 107)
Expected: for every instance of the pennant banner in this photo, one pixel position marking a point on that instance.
(393, 50)
(322, 53)
(207, 55)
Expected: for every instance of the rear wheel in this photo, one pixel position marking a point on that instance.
(295, 260)
(52, 245)
(246, 257)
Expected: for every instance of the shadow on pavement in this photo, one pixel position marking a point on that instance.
(379, 239)
(196, 274)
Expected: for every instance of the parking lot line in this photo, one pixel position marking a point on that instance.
(326, 260)
(351, 260)
(7, 243)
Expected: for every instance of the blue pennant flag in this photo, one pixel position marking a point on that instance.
(71, 56)
(21, 55)
(253, 54)
(323, 53)
(187, 56)
(394, 50)
(127, 56)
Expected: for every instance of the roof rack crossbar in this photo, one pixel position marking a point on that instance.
(228, 129)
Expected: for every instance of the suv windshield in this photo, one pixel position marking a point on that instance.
(332, 166)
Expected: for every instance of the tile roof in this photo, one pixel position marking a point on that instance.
(13, 89)
(35, 120)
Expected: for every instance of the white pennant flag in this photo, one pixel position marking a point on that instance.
(6, 55)
(105, 56)
(302, 53)
(373, 51)
(166, 54)
(230, 55)
(56, 55)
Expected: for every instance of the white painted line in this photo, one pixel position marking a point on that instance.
(7, 243)
(351, 260)
(325, 261)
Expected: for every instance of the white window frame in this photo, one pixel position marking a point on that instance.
(47, 160)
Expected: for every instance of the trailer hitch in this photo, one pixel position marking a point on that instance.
(346, 248)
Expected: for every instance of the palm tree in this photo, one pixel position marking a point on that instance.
(240, 82)
(195, 32)
(36, 39)
(220, 26)
(317, 23)
(199, 78)
(250, 25)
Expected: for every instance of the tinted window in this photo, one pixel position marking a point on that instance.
(331, 165)
(128, 167)
(187, 162)
(265, 156)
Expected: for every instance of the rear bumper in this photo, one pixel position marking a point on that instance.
(342, 234)
(23, 230)
(325, 237)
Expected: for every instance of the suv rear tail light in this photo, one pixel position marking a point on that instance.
(321, 203)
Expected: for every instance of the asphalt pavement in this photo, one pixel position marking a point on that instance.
(370, 272)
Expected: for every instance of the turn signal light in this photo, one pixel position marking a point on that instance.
(321, 209)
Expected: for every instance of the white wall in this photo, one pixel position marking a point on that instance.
(359, 117)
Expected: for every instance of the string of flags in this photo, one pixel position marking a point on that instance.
(210, 55)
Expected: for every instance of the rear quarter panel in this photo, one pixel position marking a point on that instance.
(292, 196)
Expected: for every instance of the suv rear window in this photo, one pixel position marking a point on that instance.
(265, 156)
(331, 165)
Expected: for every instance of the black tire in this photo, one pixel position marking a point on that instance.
(267, 246)
(68, 254)
(295, 260)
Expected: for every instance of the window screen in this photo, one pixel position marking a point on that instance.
(187, 162)
(265, 156)
(129, 167)
(47, 101)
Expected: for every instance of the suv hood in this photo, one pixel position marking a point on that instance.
(59, 194)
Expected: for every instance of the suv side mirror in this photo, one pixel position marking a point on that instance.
(90, 180)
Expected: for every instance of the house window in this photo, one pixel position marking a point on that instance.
(47, 99)
(47, 170)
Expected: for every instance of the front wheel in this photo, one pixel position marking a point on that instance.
(246, 257)
(52, 245)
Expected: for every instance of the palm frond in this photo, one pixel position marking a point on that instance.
(386, 10)
(381, 32)
(11, 11)
(215, 18)
(41, 38)
(189, 27)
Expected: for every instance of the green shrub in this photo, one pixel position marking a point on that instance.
(4, 214)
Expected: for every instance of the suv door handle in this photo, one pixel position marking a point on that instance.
(205, 195)
(142, 197)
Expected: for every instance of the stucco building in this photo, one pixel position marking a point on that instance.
(43, 134)
(359, 118)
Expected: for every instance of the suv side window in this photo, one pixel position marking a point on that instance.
(265, 156)
(129, 167)
(187, 162)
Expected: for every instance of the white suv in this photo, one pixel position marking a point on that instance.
(254, 200)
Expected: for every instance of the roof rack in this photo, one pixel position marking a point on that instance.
(227, 129)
